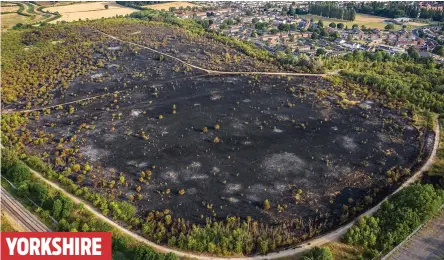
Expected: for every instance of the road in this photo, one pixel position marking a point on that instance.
(319, 241)
(20, 214)
(427, 244)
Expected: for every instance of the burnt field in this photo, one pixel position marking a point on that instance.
(221, 146)
(297, 155)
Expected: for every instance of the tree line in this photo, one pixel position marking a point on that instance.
(398, 9)
(332, 10)
(408, 78)
(396, 219)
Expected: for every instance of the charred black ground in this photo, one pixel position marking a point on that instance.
(277, 140)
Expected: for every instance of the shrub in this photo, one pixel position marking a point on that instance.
(319, 253)
(266, 205)
(19, 172)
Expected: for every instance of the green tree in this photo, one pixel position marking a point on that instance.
(332, 25)
(439, 50)
(390, 26)
(57, 208)
(320, 51)
(319, 253)
(266, 205)
(18, 172)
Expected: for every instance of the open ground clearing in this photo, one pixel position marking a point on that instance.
(9, 8)
(189, 148)
(89, 10)
(166, 6)
(9, 20)
(369, 21)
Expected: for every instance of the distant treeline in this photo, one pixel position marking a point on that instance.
(397, 10)
(332, 10)
(139, 4)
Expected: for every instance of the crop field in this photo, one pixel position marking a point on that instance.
(29, 15)
(166, 6)
(9, 20)
(9, 8)
(282, 157)
(370, 21)
(89, 10)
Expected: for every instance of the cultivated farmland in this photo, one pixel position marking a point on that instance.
(370, 21)
(166, 6)
(89, 10)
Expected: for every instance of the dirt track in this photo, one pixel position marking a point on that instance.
(215, 72)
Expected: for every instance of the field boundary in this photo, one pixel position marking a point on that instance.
(302, 248)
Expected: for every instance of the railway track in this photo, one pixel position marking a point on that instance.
(21, 215)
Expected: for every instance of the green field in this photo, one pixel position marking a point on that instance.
(369, 21)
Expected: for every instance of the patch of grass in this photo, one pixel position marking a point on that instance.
(369, 21)
(7, 226)
(344, 251)
(9, 20)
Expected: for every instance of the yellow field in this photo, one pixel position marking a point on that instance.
(166, 6)
(10, 8)
(9, 20)
(369, 21)
(89, 10)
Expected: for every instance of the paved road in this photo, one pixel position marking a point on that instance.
(427, 244)
(319, 241)
(20, 214)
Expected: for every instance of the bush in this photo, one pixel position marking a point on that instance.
(19, 172)
(319, 253)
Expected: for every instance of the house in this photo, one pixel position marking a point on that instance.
(407, 43)
(339, 41)
(304, 24)
(390, 49)
(201, 14)
(376, 42)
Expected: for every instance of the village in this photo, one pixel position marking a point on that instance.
(282, 26)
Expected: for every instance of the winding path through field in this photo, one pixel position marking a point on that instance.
(319, 241)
